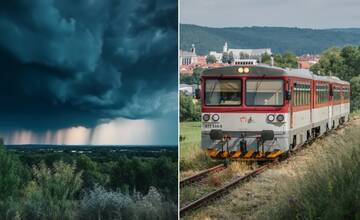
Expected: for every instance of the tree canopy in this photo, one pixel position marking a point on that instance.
(343, 63)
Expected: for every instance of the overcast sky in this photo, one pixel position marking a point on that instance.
(88, 72)
(282, 13)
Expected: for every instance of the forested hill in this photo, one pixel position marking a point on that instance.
(279, 39)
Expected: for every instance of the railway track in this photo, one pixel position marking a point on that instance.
(236, 182)
(201, 175)
(223, 190)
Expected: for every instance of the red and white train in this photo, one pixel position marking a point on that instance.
(260, 112)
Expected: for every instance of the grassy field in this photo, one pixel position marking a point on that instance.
(192, 158)
(320, 182)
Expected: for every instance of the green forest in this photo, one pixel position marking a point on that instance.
(99, 185)
(279, 39)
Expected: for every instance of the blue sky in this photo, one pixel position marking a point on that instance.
(76, 71)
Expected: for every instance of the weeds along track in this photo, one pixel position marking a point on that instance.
(225, 189)
(201, 175)
(222, 190)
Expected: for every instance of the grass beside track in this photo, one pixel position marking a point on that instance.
(192, 158)
(320, 182)
(330, 187)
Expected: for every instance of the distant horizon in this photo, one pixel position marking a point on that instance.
(268, 26)
(97, 145)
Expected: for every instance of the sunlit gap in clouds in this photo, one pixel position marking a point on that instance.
(120, 131)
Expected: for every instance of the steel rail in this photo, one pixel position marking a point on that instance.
(201, 175)
(221, 191)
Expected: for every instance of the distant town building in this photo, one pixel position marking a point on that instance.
(188, 90)
(307, 60)
(240, 54)
(201, 60)
(188, 57)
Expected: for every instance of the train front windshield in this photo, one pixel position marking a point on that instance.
(264, 92)
(223, 92)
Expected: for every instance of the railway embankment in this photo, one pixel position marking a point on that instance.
(319, 182)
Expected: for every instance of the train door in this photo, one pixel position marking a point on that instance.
(291, 88)
(331, 106)
(311, 103)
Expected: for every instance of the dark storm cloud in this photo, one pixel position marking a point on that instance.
(66, 63)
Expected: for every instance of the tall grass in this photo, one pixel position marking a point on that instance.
(330, 186)
(192, 157)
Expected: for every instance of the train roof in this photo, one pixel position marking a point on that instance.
(269, 70)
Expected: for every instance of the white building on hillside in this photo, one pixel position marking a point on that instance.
(241, 54)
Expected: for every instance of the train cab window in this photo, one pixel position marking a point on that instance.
(264, 92)
(223, 92)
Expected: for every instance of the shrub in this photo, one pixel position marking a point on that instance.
(102, 204)
(51, 195)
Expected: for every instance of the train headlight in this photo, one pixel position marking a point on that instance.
(206, 117)
(215, 117)
(271, 118)
(280, 118)
(246, 70)
(241, 70)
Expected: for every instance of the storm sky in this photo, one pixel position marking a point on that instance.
(317, 14)
(88, 72)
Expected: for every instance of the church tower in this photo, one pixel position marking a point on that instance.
(225, 48)
(193, 49)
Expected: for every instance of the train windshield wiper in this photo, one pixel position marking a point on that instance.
(258, 84)
(213, 89)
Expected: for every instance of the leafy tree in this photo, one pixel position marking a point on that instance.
(244, 55)
(164, 168)
(265, 58)
(122, 176)
(189, 111)
(186, 79)
(231, 58)
(196, 75)
(90, 172)
(192, 79)
(343, 63)
(225, 57)
(289, 60)
(12, 179)
(355, 90)
(211, 59)
(331, 63)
